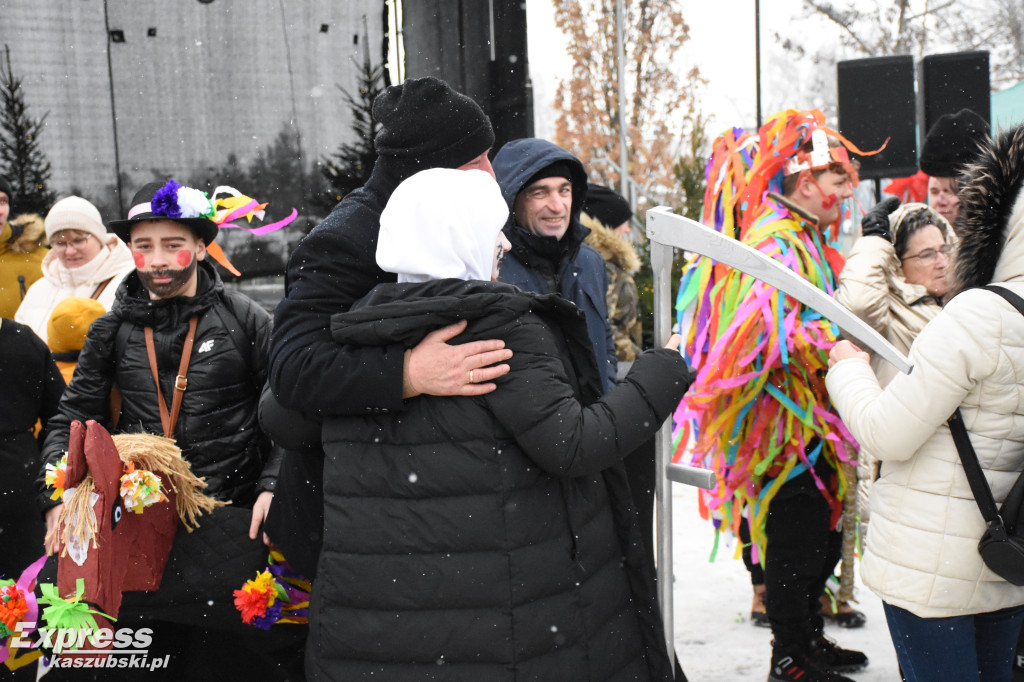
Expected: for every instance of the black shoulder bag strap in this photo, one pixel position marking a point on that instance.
(975, 476)
(969, 459)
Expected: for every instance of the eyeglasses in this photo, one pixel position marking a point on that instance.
(78, 243)
(929, 255)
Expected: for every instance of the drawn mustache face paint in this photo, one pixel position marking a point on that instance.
(166, 282)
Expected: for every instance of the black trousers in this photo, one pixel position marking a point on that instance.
(753, 568)
(802, 551)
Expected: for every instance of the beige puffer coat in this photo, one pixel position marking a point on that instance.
(873, 287)
(925, 523)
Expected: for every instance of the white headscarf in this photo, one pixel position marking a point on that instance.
(442, 223)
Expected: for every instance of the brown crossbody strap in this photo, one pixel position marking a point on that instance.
(100, 287)
(170, 421)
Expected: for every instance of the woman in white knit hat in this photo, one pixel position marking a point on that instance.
(85, 260)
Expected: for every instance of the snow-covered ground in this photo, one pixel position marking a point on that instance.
(714, 638)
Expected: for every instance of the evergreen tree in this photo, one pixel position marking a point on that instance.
(21, 159)
(349, 168)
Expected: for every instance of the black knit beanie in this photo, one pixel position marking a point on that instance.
(606, 205)
(951, 143)
(5, 187)
(427, 124)
(558, 169)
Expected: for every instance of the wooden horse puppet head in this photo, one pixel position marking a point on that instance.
(123, 499)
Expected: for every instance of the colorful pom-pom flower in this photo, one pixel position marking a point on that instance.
(140, 488)
(255, 596)
(260, 601)
(55, 477)
(174, 201)
(13, 608)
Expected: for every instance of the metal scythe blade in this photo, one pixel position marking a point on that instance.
(689, 235)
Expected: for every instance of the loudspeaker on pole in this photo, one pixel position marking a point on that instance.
(950, 82)
(877, 101)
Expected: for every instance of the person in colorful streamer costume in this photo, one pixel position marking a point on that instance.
(758, 413)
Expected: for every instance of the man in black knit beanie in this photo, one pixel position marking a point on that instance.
(424, 124)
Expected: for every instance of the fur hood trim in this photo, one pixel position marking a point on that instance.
(611, 246)
(24, 234)
(991, 219)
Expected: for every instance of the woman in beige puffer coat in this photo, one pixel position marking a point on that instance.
(874, 284)
(949, 615)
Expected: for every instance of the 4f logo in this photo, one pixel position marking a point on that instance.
(206, 347)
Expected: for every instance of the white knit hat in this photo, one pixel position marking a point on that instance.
(442, 223)
(75, 213)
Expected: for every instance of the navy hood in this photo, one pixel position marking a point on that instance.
(517, 161)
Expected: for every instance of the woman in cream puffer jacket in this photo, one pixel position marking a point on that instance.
(922, 559)
(874, 286)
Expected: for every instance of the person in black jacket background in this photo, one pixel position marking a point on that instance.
(33, 386)
(488, 537)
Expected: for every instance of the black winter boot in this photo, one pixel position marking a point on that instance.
(826, 654)
(796, 667)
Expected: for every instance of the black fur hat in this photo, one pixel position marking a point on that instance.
(989, 191)
(606, 205)
(951, 143)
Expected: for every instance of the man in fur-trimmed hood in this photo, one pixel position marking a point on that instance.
(607, 214)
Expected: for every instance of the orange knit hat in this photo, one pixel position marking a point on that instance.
(69, 322)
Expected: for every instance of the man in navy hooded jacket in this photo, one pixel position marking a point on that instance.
(544, 187)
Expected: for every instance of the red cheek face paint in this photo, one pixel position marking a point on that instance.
(829, 202)
(184, 258)
(140, 260)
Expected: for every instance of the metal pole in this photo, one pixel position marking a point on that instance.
(113, 115)
(757, 56)
(661, 266)
(620, 67)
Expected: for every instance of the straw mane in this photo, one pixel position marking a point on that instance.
(147, 451)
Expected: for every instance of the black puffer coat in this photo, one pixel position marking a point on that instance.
(217, 429)
(490, 538)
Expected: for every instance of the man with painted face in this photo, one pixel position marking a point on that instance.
(761, 416)
(545, 187)
(172, 317)
(171, 287)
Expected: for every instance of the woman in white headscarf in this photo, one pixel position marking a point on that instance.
(486, 537)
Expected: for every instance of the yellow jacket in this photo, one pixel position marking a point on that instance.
(22, 249)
